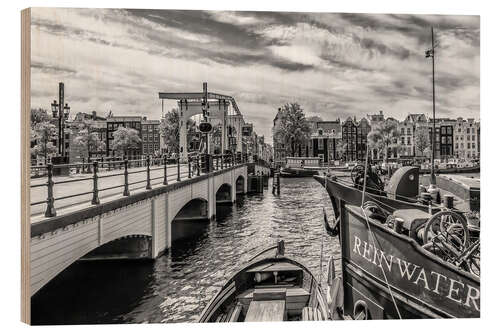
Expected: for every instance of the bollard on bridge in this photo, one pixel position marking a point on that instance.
(95, 197)
(51, 210)
(165, 180)
(178, 169)
(148, 172)
(126, 191)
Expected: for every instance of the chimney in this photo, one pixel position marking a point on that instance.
(144, 118)
(381, 112)
(94, 115)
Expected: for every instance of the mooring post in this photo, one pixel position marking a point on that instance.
(51, 210)
(126, 192)
(178, 169)
(148, 172)
(95, 197)
(165, 181)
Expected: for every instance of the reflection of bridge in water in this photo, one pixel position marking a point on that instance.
(142, 224)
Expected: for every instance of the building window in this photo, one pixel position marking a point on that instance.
(468, 137)
(468, 145)
(320, 144)
(408, 131)
(409, 141)
(473, 138)
(468, 130)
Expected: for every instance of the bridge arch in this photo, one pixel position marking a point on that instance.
(187, 221)
(46, 266)
(223, 194)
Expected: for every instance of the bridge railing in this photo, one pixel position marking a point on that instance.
(117, 177)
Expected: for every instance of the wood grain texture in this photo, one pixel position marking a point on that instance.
(25, 163)
(262, 311)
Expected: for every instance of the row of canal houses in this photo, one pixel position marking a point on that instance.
(347, 140)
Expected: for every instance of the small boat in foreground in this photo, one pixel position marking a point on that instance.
(269, 288)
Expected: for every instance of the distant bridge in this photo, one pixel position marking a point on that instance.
(142, 224)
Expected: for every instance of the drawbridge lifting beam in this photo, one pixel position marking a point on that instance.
(199, 96)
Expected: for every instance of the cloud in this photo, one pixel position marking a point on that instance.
(334, 65)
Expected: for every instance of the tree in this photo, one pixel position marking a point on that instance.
(125, 139)
(422, 140)
(43, 133)
(341, 148)
(38, 116)
(87, 141)
(383, 136)
(293, 129)
(169, 128)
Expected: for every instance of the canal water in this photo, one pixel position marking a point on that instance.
(177, 286)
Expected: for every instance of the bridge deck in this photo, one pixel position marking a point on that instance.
(83, 201)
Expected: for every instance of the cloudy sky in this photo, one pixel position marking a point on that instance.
(334, 65)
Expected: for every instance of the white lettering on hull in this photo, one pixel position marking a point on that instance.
(430, 280)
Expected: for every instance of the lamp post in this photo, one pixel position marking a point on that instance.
(61, 111)
(430, 54)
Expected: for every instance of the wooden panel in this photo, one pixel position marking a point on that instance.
(277, 267)
(266, 311)
(269, 294)
(236, 313)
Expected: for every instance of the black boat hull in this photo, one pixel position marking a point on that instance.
(418, 285)
(422, 285)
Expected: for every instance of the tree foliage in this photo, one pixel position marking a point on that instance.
(125, 139)
(43, 133)
(341, 149)
(170, 130)
(38, 116)
(422, 141)
(293, 129)
(383, 136)
(87, 141)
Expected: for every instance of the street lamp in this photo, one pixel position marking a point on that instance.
(54, 107)
(61, 112)
(66, 111)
